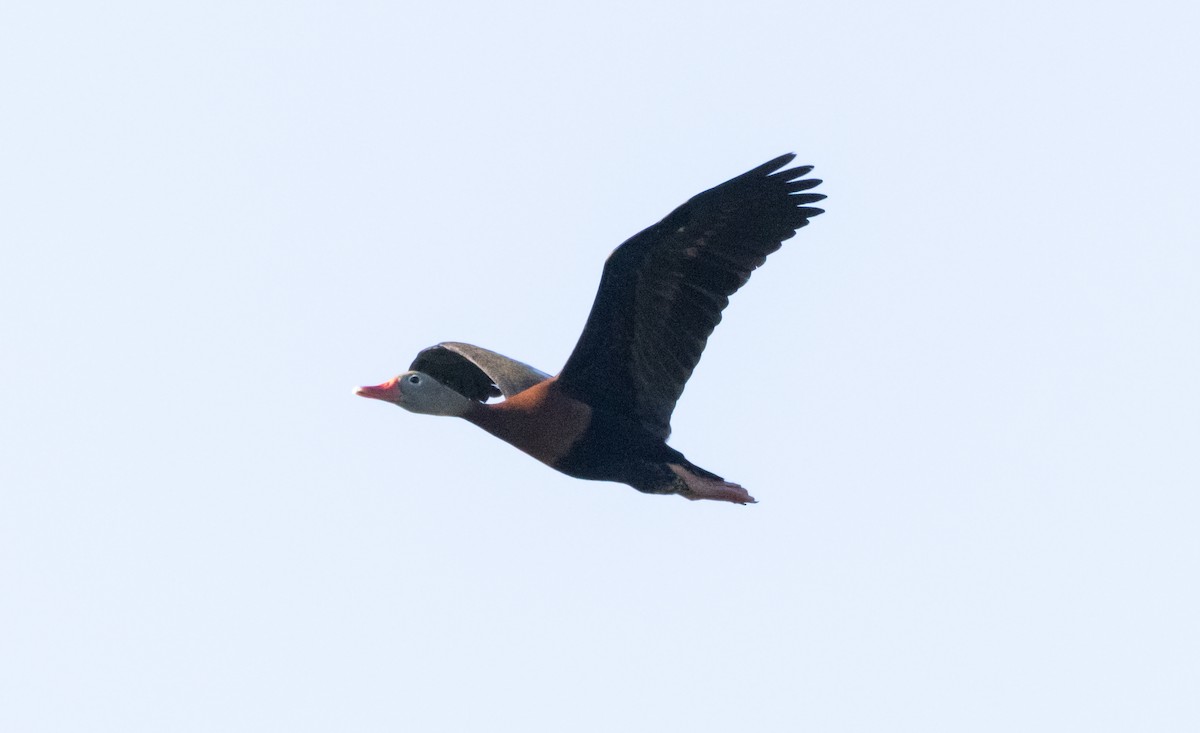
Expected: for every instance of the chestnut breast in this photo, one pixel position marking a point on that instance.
(541, 421)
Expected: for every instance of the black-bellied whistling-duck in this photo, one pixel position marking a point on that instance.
(607, 414)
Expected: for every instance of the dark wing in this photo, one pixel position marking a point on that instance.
(476, 372)
(662, 292)
(456, 372)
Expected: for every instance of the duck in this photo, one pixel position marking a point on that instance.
(606, 415)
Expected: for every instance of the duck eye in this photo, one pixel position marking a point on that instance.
(414, 379)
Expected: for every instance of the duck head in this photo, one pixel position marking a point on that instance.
(418, 392)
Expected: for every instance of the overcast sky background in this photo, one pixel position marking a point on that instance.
(966, 397)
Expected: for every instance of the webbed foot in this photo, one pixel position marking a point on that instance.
(694, 487)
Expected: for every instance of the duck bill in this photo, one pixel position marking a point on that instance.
(388, 392)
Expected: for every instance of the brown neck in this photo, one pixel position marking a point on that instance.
(486, 417)
(540, 421)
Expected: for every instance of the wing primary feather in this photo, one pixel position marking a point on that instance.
(806, 198)
(793, 173)
(803, 185)
(662, 291)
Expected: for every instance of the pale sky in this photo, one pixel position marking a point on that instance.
(966, 397)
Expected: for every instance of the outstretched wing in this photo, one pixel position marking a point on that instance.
(662, 292)
(476, 372)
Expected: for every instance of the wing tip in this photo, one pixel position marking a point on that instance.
(791, 174)
(771, 166)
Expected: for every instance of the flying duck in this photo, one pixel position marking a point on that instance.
(607, 415)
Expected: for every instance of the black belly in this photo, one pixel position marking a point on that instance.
(615, 448)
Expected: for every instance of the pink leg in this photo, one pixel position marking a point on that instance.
(693, 487)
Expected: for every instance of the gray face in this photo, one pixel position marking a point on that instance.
(418, 392)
